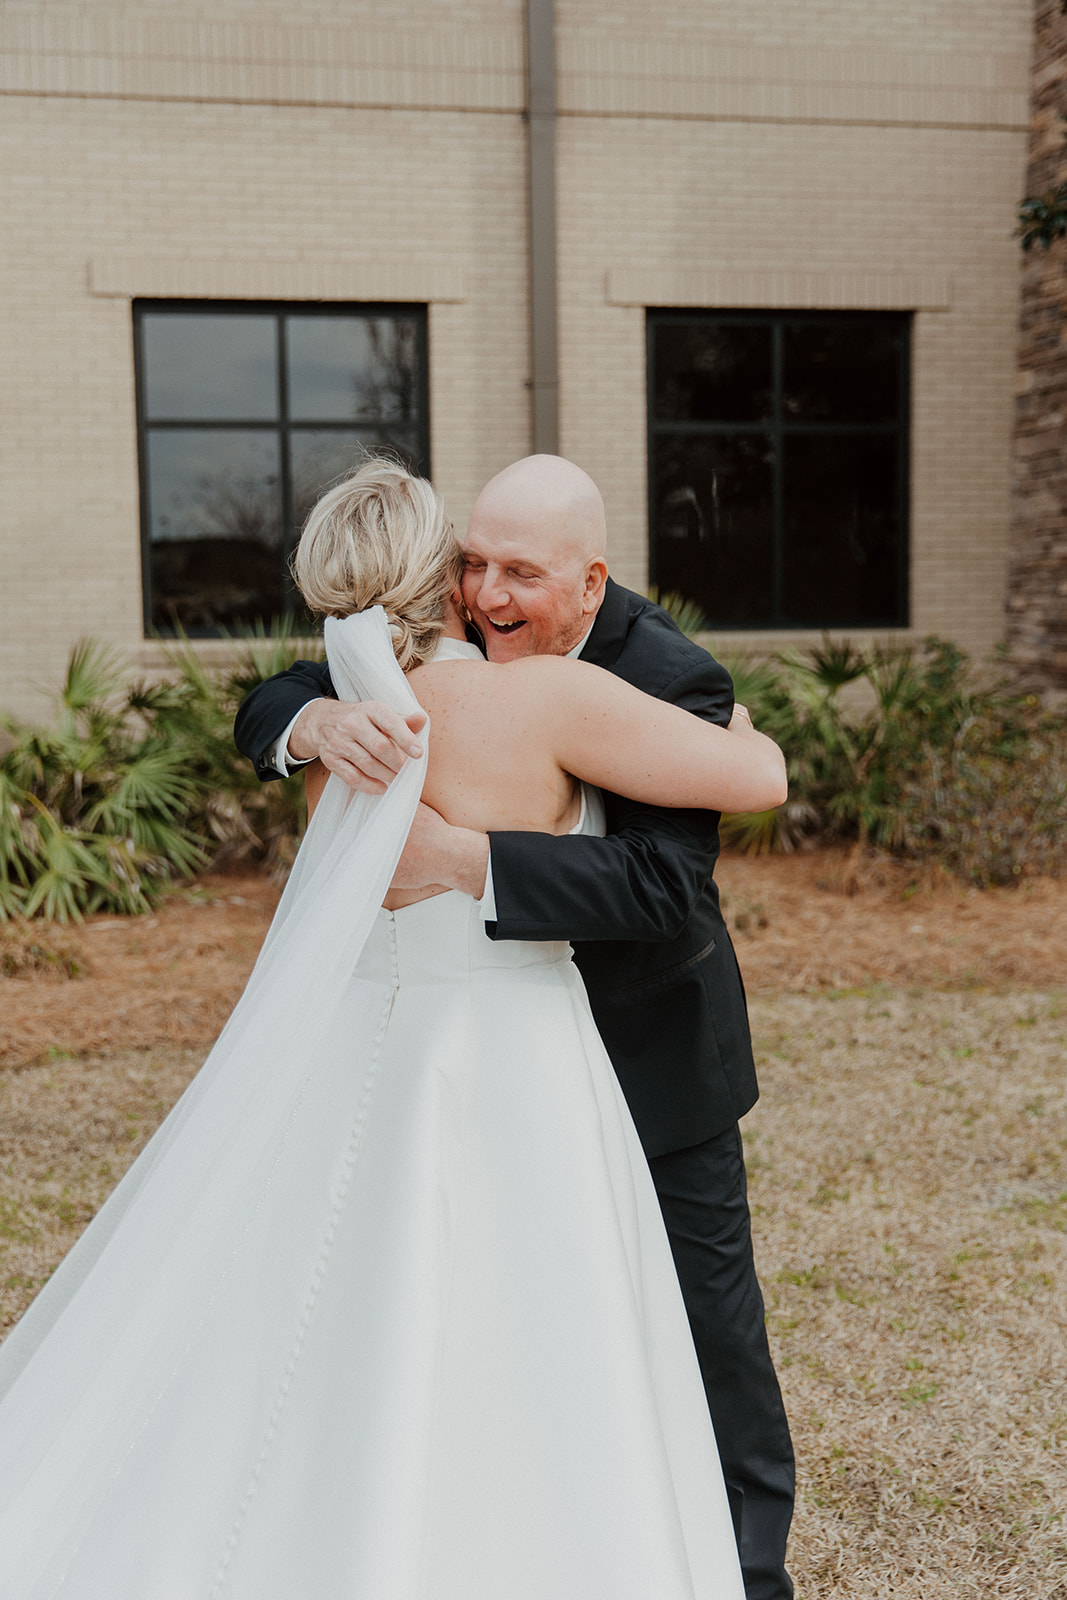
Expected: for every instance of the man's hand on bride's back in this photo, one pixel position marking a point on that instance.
(365, 743)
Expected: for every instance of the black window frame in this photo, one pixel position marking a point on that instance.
(898, 616)
(282, 426)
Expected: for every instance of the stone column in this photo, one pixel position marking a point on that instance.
(1037, 556)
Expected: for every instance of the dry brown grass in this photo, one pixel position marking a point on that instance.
(908, 1168)
(908, 1177)
(69, 1128)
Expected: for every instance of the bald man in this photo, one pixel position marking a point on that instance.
(639, 906)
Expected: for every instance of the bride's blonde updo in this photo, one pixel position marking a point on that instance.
(381, 538)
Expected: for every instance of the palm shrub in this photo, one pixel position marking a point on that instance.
(93, 809)
(129, 789)
(233, 814)
(991, 802)
(863, 722)
(908, 751)
(685, 614)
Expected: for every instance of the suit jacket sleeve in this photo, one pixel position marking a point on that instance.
(268, 709)
(642, 881)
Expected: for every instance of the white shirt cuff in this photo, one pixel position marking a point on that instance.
(487, 904)
(281, 760)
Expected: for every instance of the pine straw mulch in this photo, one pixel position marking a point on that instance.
(833, 919)
(171, 978)
(908, 1166)
(818, 920)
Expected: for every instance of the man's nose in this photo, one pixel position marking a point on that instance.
(493, 594)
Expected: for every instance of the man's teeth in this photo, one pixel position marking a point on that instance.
(506, 627)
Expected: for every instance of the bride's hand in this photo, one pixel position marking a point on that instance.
(364, 742)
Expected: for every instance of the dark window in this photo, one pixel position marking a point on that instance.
(246, 413)
(778, 466)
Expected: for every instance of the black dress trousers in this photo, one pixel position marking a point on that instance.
(703, 1195)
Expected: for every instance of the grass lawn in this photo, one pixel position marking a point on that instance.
(908, 1179)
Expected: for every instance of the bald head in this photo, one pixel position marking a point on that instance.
(552, 493)
(535, 567)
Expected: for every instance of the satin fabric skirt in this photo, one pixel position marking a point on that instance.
(448, 1357)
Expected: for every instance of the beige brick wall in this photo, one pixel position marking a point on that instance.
(908, 236)
(172, 198)
(831, 153)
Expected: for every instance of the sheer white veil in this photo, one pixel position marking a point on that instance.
(95, 1341)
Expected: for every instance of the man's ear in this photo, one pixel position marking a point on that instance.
(596, 575)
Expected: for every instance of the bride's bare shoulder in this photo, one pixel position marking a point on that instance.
(561, 678)
(437, 675)
(496, 676)
(528, 683)
(540, 671)
(466, 699)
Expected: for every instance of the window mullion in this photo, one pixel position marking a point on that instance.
(285, 466)
(903, 597)
(147, 598)
(652, 425)
(778, 492)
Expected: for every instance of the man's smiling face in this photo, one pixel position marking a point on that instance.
(533, 578)
(520, 605)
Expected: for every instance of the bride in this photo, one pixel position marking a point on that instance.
(385, 1310)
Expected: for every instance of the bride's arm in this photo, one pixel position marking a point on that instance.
(609, 733)
(315, 780)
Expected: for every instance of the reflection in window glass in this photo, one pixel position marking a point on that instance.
(720, 372)
(216, 524)
(322, 457)
(203, 484)
(246, 416)
(713, 514)
(826, 377)
(778, 466)
(209, 367)
(842, 514)
(353, 370)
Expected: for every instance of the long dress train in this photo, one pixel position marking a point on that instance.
(385, 1310)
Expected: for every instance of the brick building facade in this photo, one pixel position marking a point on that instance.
(831, 157)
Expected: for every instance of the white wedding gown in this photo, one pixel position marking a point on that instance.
(385, 1311)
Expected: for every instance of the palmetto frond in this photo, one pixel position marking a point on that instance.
(94, 676)
(685, 614)
(131, 787)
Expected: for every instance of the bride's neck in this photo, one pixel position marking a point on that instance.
(453, 628)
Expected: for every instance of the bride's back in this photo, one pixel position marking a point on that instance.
(489, 765)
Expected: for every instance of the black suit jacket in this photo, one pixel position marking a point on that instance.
(640, 906)
(642, 910)
(268, 709)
